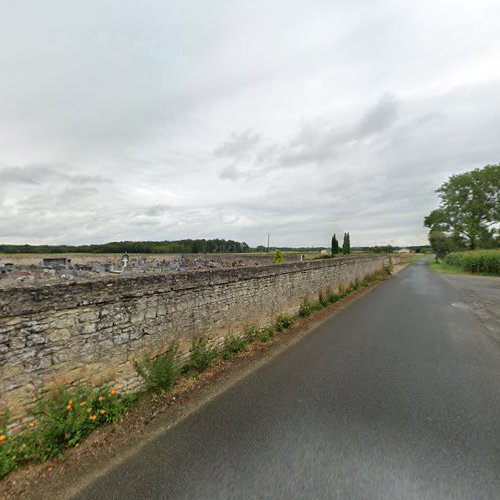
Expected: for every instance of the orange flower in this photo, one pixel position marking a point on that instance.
(102, 412)
(112, 392)
(92, 417)
(101, 398)
(70, 402)
(2, 437)
(68, 407)
(89, 410)
(31, 425)
(83, 403)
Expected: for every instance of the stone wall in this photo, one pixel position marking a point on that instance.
(93, 330)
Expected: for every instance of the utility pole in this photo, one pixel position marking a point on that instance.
(268, 235)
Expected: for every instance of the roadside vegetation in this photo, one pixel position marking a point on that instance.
(485, 262)
(63, 415)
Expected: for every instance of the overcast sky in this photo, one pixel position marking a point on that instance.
(198, 119)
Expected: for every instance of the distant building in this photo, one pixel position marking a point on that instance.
(324, 252)
(56, 262)
(405, 250)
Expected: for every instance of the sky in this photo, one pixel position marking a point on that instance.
(162, 120)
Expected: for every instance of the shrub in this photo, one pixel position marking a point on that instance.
(331, 297)
(278, 257)
(201, 355)
(283, 322)
(160, 372)
(233, 345)
(305, 309)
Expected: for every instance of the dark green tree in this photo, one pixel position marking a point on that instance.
(469, 211)
(335, 245)
(346, 244)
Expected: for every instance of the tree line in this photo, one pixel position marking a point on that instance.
(179, 246)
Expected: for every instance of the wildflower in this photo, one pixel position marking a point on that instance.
(101, 398)
(70, 402)
(2, 437)
(89, 410)
(31, 425)
(83, 403)
(102, 412)
(112, 392)
(92, 417)
(117, 386)
(68, 407)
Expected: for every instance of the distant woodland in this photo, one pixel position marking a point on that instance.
(180, 246)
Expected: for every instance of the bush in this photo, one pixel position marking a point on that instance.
(476, 261)
(63, 416)
(331, 297)
(160, 372)
(283, 322)
(305, 309)
(233, 345)
(201, 355)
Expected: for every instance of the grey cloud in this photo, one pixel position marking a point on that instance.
(157, 210)
(382, 116)
(238, 145)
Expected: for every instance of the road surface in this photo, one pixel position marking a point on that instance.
(396, 396)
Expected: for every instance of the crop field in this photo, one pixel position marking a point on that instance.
(476, 261)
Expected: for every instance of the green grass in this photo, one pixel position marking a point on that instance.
(442, 267)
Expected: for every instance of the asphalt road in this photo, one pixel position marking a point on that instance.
(397, 396)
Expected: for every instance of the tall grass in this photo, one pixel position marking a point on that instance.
(476, 261)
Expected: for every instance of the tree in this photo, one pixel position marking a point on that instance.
(335, 245)
(469, 211)
(440, 243)
(278, 258)
(346, 244)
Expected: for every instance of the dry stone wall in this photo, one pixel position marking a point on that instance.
(95, 330)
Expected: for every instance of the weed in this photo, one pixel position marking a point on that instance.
(201, 355)
(63, 416)
(331, 297)
(323, 299)
(233, 345)
(160, 372)
(251, 331)
(283, 322)
(305, 309)
(267, 334)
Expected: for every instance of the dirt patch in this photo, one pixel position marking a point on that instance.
(152, 415)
